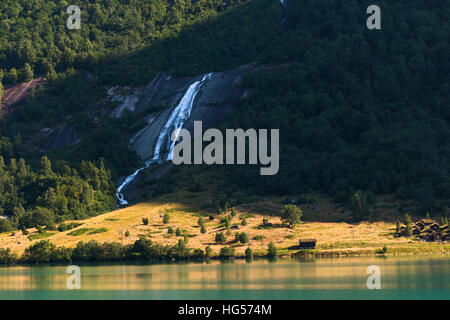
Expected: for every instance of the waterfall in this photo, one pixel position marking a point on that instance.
(177, 118)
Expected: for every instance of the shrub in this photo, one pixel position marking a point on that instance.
(201, 222)
(244, 222)
(185, 239)
(178, 232)
(25, 232)
(127, 233)
(211, 218)
(203, 229)
(170, 230)
(272, 250)
(226, 253)
(233, 212)
(208, 252)
(249, 253)
(145, 221)
(243, 237)
(258, 237)
(7, 256)
(166, 218)
(198, 253)
(220, 237)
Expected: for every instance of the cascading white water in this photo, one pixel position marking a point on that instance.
(177, 118)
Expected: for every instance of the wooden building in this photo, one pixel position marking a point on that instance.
(307, 243)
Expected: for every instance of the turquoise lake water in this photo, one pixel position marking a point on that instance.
(339, 278)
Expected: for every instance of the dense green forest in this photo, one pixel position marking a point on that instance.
(47, 195)
(357, 109)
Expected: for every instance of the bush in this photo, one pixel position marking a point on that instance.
(7, 256)
(127, 233)
(203, 229)
(249, 253)
(145, 221)
(198, 253)
(178, 232)
(272, 250)
(226, 253)
(201, 222)
(208, 252)
(220, 237)
(244, 222)
(408, 223)
(166, 218)
(243, 238)
(170, 230)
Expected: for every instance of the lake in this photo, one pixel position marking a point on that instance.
(338, 278)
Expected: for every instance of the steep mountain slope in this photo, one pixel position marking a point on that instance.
(356, 108)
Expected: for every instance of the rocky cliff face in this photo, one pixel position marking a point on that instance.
(215, 98)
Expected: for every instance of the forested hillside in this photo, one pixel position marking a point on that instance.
(357, 109)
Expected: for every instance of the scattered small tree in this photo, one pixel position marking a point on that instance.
(185, 239)
(203, 229)
(178, 232)
(359, 205)
(243, 237)
(244, 222)
(127, 233)
(408, 223)
(208, 252)
(226, 253)
(220, 237)
(272, 250)
(201, 222)
(166, 218)
(145, 221)
(291, 214)
(170, 230)
(233, 212)
(249, 253)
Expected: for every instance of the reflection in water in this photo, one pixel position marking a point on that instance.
(322, 274)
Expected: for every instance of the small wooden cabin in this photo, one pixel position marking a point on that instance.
(307, 243)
